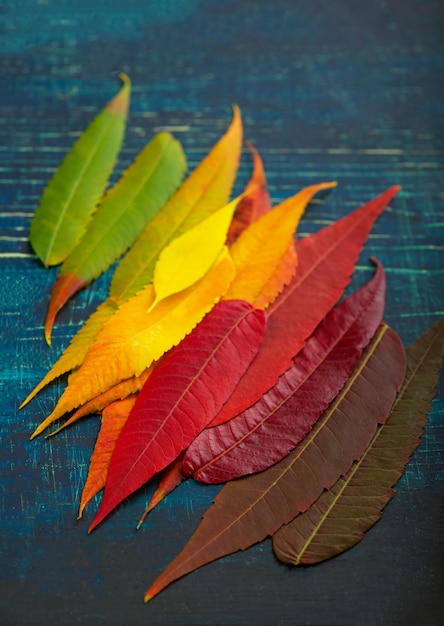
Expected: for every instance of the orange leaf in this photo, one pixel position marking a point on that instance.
(113, 418)
(170, 478)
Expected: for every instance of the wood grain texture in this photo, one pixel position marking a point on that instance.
(328, 91)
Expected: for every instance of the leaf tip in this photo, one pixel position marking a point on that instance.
(49, 323)
(120, 102)
(34, 434)
(125, 79)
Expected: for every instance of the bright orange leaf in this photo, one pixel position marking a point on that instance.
(113, 419)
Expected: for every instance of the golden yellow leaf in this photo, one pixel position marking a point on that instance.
(189, 257)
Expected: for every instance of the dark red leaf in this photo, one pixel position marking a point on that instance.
(342, 514)
(326, 262)
(181, 396)
(265, 432)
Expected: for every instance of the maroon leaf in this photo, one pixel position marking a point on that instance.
(326, 262)
(248, 509)
(181, 396)
(265, 432)
(342, 514)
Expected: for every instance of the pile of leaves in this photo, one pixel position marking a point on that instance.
(224, 352)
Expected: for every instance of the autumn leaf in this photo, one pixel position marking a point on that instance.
(183, 393)
(249, 509)
(124, 211)
(326, 261)
(255, 200)
(342, 514)
(133, 338)
(260, 253)
(114, 417)
(206, 189)
(79, 182)
(265, 432)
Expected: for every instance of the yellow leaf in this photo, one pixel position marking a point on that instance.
(263, 256)
(190, 256)
(132, 339)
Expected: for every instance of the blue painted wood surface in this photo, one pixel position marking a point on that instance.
(328, 90)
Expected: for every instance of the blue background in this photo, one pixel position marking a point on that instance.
(348, 90)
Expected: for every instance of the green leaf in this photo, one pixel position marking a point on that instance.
(70, 198)
(124, 212)
(342, 514)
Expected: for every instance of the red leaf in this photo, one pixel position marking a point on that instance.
(326, 262)
(255, 200)
(181, 396)
(265, 432)
(249, 509)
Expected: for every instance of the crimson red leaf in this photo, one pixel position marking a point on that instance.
(249, 509)
(181, 396)
(265, 432)
(326, 262)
